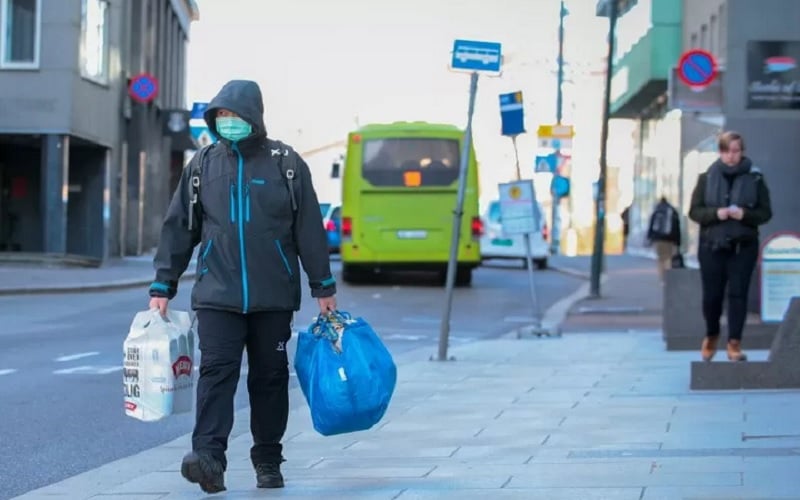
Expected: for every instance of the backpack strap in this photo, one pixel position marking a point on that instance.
(287, 162)
(194, 185)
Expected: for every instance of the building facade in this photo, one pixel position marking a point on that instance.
(85, 164)
(757, 93)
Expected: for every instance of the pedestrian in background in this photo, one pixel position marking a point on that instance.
(664, 233)
(257, 212)
(730, 201)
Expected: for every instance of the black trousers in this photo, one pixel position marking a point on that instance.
(732, 267)
(223, 338)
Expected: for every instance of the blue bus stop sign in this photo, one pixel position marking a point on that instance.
(143, 88)
(476, 56)
(511, 114)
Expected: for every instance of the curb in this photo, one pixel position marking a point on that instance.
(570, 271)
(87, 287)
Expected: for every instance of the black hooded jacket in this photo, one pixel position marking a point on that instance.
(250, 236)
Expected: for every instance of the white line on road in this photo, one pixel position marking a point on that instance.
(89, 370)
(73, 357)
(7, 371)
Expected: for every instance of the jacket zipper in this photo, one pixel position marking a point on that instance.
(240, 220)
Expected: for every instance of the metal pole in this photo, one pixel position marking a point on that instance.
(537, 313)
(140, 229)
(123, 199)
(600, 208)
(444, 331)
(555, 230)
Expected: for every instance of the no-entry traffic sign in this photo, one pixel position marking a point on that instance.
(697, 68)
(143, 88)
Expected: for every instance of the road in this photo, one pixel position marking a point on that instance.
(60, 362)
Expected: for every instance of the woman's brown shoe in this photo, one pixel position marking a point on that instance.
(709, 348)
(735, 351)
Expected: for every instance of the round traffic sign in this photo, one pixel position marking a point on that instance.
(697, 68)
(143, 88)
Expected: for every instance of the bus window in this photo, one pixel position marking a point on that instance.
(434, 162)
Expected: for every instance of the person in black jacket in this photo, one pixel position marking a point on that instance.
(664, 233)
(257, 219)
(730, 201)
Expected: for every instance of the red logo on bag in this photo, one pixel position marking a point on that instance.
(130, 406)
(182, 366)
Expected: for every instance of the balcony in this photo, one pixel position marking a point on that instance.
(641, 72)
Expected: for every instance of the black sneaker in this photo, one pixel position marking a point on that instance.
(268, 475)
(204, 470)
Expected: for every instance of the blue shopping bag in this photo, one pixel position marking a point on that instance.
(345, 372)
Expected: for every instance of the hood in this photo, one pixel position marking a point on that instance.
(243, 97)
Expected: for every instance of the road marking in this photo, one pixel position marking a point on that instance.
(89, 370)
(7, 371)
(397, 336)
(518, 319)
(419, 319)
(73, 357)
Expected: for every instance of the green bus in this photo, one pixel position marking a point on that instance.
(399, 186)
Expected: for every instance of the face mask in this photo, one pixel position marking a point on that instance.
(233, 128)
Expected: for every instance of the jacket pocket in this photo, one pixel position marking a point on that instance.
(283, 258)
(203, 264)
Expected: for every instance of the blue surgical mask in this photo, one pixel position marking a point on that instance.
(233, 128)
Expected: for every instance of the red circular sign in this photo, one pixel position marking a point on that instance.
(143, 88)
(697, 68)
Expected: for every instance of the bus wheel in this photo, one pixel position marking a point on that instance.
(463, 276)
(351, 274)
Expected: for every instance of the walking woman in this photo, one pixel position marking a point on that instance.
(730, 201)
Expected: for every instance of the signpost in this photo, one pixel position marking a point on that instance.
(546, 164)
(143, 88)
(469, 56)
(780, 275)
(557, 137)
(518, 199)
(199, 128)
(697, 68)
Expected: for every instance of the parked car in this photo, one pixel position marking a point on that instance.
(332, 219)
(496, 245)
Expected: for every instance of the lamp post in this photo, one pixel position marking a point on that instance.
(600, 204)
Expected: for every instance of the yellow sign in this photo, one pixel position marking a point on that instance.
(556, 131)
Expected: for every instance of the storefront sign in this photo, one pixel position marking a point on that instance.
(780, 275)
(773, 76)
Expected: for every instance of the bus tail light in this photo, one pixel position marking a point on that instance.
(347, 227)
(477, 227)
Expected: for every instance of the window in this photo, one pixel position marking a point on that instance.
(713, 40)
(411, 162)
(20, 23)
(94, 40)
(704, 36)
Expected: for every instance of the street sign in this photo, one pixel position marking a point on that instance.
(143, 88)
(472, 55)
(555, 136)
(547, 164)
(559, 186)
(198, 109)
(199, 128)
(780, 275)
(512, 115)
(518, 212)
(697, 68)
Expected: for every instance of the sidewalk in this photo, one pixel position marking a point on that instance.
(48, 276)
(584, 416)
(630, 298)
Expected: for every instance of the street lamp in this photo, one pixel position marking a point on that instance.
(612, 8)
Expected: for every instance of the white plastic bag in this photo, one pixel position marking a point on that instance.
(158, 365)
